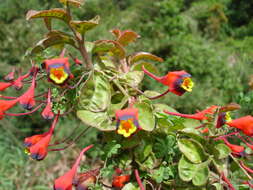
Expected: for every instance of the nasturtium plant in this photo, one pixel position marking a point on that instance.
(145, 144)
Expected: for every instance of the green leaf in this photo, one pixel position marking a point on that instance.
(222, 151)
(188, 171)
(133, 78)
(83, 26)
(103, 46)
(52, 13)
(130, 186)
(192, 150)
(111, 149)
(201, 175)
(76, 3)
(99, 120)
(143, 150)
(149, 66)
(162, 107)
(146, 116)
(144, 56)
(95, 94)
(218, 186)
(127, 37)
(118, 106)
(53, 38)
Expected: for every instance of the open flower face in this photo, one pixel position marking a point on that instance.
(245, 124)
(179, 82)
(58, 70)
(127, 121)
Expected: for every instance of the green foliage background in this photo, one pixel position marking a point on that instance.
(211, 39)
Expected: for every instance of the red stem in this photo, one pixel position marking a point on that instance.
(27, 113)
(156, 97)
(225, 179)
(245, 167)
(137, 176)
(151, 74)
(223, 136)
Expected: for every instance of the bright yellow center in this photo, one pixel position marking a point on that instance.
(228, 117)
(126, 128)
(58, 75)
(187, 84)
(27, 151)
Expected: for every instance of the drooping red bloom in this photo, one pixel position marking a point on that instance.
(47, 113)
(10, 76)
(27, 99)
(202, 115)
(127, 121)
(65, 182)
(83, 180)
(18, 83)
(245, 124)
(236, 149)
(4, 85)
(37, 145)
(58, 70)
(6, 105)
(120, 181)
(178, 82)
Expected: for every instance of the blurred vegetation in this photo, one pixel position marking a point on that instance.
(211, 39)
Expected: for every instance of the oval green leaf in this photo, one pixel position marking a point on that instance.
(222, 151)
(133, 78)
(99, 120)
(201, 175)
(83, 26)
(95, 94)
(192, 150)
(149, 66)
(186, 169)
(144, 56)
(146, 116)
(52, 13)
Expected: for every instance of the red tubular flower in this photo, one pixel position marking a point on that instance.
(206, 130)
(236, 149)
(18, 83)
(27, 99)
(202, 115)
(65, 182)
(245, 124)
(120, 181)
(10, 76)
(58, 70)
(83, 180)
(4, 85)
(37, 145)
(127, 121)
(178, 82)
(47, 113)
(6, 105)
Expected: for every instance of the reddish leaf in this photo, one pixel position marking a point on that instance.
(144, 56)
(127, 37)
(83, 26)
(76, 3)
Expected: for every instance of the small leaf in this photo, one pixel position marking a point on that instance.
(146, 116)
(76, 3)
(127, 37)
(144, 56)
(95, 94)
(222, 151)
(99, 120)
(149, 66)
(52, 13)
(130, 186)
(192, 150)
(186, 169)
(83, 26)
(103, 46)
(218, 186)
(133, 78)
(201, 175)
(53, 38)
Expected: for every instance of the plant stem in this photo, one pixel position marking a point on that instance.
(236, 161)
